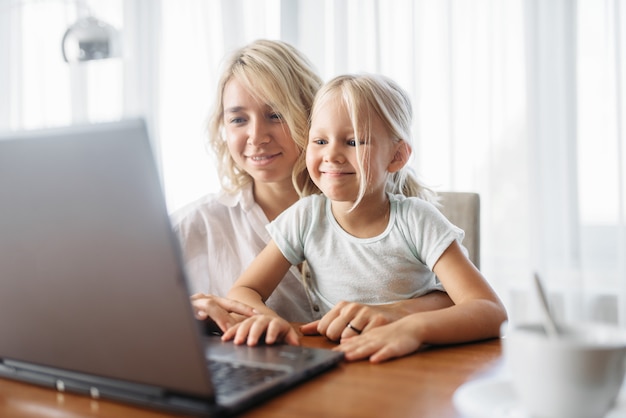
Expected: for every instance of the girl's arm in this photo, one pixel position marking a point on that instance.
(477, 314)
(365, 317)
(259, 280)
(253, 287)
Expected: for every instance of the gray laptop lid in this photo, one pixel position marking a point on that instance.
(79, 254)
(93, 296)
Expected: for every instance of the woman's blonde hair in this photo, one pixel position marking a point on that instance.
(277, 74)
(366, 96)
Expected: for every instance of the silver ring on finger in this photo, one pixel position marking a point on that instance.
(353, 328)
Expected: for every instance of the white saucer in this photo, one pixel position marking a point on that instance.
(494, 397)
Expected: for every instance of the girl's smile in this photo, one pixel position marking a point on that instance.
(336, 173)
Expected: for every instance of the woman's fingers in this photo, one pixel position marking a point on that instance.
(348, 319)
(219, 310)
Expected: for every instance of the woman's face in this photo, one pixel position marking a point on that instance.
(258, 138)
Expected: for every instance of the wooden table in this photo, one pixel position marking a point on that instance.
(420, 385)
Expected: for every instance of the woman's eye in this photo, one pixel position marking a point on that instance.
(236, 121)
(276, 116)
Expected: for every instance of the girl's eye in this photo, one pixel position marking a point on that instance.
(319, 141)
(352, 142)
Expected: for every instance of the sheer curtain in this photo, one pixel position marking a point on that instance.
(518, 100)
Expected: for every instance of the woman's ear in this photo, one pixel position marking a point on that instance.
(400, 158)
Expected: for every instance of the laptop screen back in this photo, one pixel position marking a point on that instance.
(73, 295)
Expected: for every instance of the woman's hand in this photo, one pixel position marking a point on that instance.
(348, 319)
(219, 310)
(251, 331)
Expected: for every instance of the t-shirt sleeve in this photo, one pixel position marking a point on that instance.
(429, 230)
(290, 228)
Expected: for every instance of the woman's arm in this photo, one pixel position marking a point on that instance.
(365, 317)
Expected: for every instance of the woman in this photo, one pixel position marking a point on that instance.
(261, 111)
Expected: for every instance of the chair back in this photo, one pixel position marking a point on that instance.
(463, 210)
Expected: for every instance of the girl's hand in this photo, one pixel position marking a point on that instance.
(383, 343)
(219, 310)
(362, 318)
(251, 331)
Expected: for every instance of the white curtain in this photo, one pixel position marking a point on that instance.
(518, 100)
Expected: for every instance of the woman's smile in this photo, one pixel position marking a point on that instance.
(263, 159)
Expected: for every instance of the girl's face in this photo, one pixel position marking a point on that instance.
(331, 156)
(258, 138)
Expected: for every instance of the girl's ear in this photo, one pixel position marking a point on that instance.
(400, 158)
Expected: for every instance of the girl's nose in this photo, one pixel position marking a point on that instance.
(333, 153)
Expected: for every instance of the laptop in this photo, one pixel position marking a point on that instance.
(93, 293)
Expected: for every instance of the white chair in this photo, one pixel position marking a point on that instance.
(463, 210)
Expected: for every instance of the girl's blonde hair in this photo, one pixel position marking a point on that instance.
(277, 74)
(367, 96)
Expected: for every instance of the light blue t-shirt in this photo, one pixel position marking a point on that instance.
(393, 266)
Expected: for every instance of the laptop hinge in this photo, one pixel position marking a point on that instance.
(64, 380)
(104, 388)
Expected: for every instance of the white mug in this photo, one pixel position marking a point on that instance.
(577, 374)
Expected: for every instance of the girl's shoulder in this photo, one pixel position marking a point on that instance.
(405, 202)
(412, 210)
(314, 201)
(306, 208)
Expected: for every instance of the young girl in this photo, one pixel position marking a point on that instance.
(365, 239)
(256, 130)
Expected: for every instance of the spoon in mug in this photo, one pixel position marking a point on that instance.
(548, 320)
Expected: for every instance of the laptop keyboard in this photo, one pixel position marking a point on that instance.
(229, 378)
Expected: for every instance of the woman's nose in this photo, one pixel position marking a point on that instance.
(258, 133)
